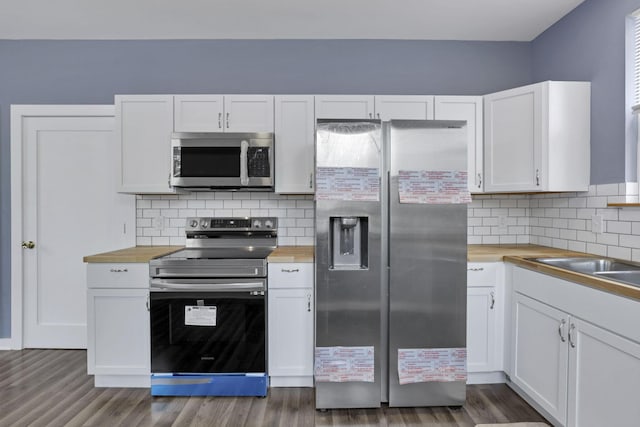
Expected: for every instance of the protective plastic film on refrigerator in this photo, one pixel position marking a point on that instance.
(391, 246)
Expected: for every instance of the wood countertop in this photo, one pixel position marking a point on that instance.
(292, 254)
(496, 253)
(518, 254)
(134, 254)
(515, 254)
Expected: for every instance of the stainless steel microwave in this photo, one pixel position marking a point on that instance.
(232, 161)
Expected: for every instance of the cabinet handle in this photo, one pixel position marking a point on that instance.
(479, 180)
(571, 328)
(493, 300)
(219, 120)
(309, 303)
(147, 303)
(227, 120)
(475, 269)
(118, 270)
(311, 180)
(538, 177)
(378, 114)
(286, 270)
(561, 330)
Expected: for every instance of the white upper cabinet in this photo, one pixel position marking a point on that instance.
(223, 113)
(344, 107)
(143, 127)
(198, 113)
(537, 138)
(467, 108)
(294, 139)
(404, 107)
(383, 107)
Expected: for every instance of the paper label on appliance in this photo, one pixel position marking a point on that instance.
(419, 365)
(344, 364)
(349, 184)
(433, 187)
(200, 315)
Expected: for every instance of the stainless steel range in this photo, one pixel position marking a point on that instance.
(208, 310)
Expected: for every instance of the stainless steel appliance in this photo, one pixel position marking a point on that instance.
(391, 254)
(208, 310)
(209, 161)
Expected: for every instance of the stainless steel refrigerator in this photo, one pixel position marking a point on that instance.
(391, 251)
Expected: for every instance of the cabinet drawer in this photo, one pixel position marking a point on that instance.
(118, 275)
(482, 274)
(291, 275)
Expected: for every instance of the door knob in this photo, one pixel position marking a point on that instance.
(28, 245)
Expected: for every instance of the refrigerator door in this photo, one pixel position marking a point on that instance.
(427, 260)
(348, 263)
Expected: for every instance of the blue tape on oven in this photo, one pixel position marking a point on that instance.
(209, 385)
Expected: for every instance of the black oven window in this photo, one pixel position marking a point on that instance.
(221, 162)
(236, 344)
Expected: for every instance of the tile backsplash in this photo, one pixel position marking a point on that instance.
(574, 221)
(160, 219)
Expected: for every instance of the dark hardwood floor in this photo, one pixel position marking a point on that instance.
(52, 388)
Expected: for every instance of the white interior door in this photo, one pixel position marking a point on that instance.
(70, 208)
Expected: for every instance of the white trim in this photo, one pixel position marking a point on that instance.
(18, 114)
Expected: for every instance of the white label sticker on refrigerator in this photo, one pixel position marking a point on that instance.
(433, 187)
(344, 364)
(200, 315)
(419, 365)
(350, 184)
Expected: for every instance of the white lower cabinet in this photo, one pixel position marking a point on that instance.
(485, 327)
(576, 351)
(540, 354)
(603, 379)
(290, 324)
(118, 337)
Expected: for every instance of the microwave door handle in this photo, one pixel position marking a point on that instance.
(244, 175)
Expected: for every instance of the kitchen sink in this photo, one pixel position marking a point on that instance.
(628, 277)
(588, 265)
(621, 271)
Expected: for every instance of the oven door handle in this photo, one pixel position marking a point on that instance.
(163, 285)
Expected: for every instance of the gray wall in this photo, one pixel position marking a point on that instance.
(589, 44)
(86, 72)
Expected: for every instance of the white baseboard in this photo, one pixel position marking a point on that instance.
(6, 344)
(486, 377)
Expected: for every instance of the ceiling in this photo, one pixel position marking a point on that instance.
(494, 20)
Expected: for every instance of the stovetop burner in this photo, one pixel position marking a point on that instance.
(221, 253)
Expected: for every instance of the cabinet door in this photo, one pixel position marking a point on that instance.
(295, 139)
(291, 315)
(513, 139)
(404, 107)
(143, 126)
(248, 113)
(118, 332)
(198, 113)
(540, 359)
(467, 108)
(481, 329)
(604, 378)
(344, 107)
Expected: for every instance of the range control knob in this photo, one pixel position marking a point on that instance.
(268, 224)
(204, 224)
(193, 223)
(257, 223)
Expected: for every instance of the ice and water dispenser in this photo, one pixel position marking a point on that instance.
(348, 237)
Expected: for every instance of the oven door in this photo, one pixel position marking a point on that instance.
(208, 326)
(222, 161)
